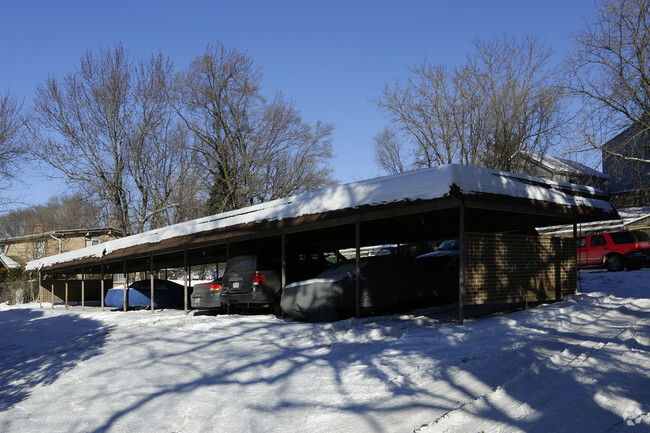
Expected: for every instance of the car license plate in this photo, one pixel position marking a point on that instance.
(235, 284)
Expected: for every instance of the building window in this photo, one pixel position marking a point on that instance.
(40, 248)
(92, 240)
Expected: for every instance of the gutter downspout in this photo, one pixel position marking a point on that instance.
(57, 239)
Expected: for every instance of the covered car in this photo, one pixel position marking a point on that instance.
(167, 294)
(388, 282)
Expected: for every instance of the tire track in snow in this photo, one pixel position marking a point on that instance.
(544, 375)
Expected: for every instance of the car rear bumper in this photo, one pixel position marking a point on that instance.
(205, 300)
(636, 259)
(258, 295)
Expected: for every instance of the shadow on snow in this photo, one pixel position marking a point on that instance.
(36, 350)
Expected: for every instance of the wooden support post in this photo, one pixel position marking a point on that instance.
(575, 242)
(40, 289)
(83, 289)
(462, 264)
(357, 289)
(126, 284)
(52, 288)
(151, 279)
(31, 287)
(283, 262)
(66, 291)
(101, 283)
(185, 279)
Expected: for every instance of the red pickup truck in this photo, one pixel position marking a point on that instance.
(614, 251)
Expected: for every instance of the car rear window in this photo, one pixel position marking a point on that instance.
(641, 236)
(242, 263)
(622, 238)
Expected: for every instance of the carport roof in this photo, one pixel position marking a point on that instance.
(416, 192)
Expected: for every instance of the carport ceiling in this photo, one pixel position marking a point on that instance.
(412, 206)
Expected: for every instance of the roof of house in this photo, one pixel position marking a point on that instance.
(57, 233)
(8, 262)
(558, 164)
(628, 218)
(423, 185)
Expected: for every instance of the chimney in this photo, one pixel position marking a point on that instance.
(38, 228)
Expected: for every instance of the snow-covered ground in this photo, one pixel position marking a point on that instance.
(581, 365)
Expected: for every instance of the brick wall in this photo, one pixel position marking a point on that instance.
(508, 268)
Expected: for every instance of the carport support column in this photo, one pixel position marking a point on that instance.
(126, 286)
(575, 241)
(40, 289)
(185, 280)
(151, 279)
(284, 262)
(101, 283)
(357, 289)
(52, 288)
(462, 264)
(83, 289)
(66, 291)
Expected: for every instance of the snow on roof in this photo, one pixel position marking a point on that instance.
(8, 262)
(631, 215)
(627, 218)
(424, 184)
(556, 163)
(66, 232)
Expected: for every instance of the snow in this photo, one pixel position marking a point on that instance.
(580, 365)
(565, 165)
(424, 184)
(8, 262)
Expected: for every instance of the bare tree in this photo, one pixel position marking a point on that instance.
(254, 149)
(503, 100)
(388, 151)
(11, 153)
(610, 74)
(109, 128)
(63, 212)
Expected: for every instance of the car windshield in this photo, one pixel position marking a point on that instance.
(386, 250)
(450, 244)
(407, 249)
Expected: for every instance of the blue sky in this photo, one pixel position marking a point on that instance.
(330, 57)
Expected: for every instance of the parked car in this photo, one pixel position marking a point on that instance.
(254, 280)
(443, 264)
(409, 249)
(207, 296)
(167, 294)
(614, 250)
(446, 254)
(389, 282)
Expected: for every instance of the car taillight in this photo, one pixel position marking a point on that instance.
(215, 287)
(258, 279)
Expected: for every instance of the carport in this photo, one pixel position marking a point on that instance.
(436, 203)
